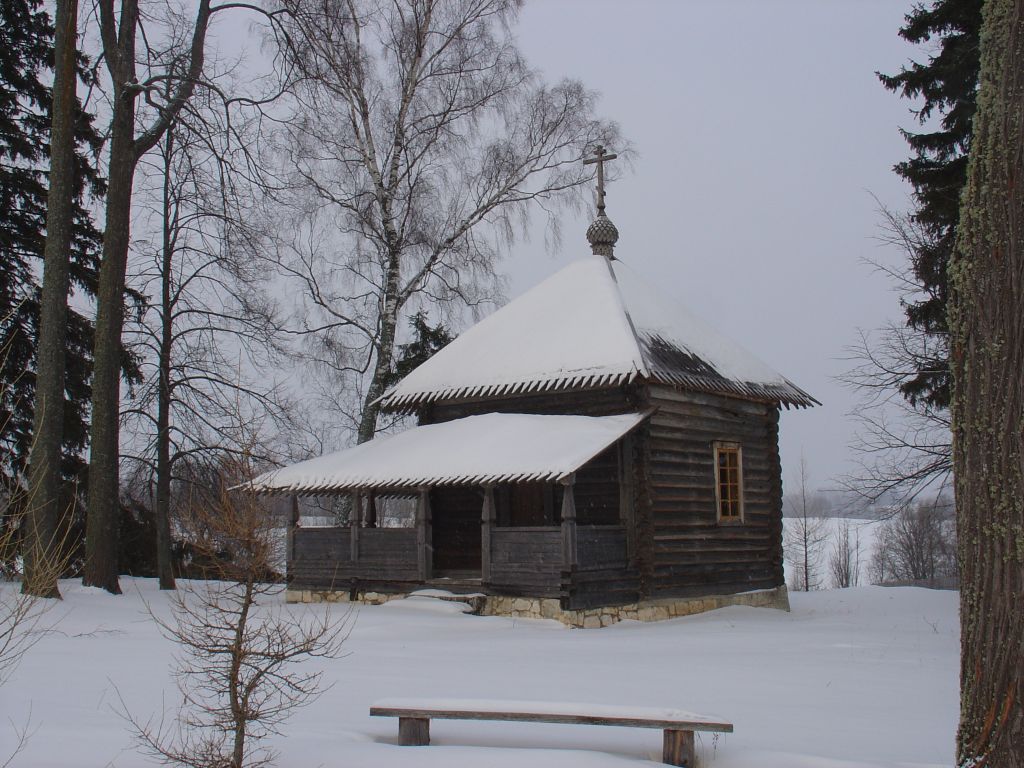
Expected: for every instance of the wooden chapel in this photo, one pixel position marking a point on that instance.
(590, 446)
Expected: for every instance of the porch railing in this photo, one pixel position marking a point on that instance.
(331, 558)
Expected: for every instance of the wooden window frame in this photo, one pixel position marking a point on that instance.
(728, 445)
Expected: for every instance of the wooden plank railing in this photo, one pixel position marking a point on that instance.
(528, 558)
(328, 558)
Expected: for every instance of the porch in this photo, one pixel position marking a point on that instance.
(583, 566)
(503, 504)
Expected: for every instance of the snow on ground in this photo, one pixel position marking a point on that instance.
(857, 678)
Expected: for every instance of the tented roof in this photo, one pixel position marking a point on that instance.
(595, 323)
(490, 448)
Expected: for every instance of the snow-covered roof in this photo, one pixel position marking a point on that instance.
(490, 448)
(595, 323)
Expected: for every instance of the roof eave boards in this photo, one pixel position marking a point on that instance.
(476, 450)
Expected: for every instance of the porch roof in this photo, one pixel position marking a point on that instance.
(476, 450)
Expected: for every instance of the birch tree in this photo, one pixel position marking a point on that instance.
(423, 142)
(987, 327)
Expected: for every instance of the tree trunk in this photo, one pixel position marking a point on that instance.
(162, 511)
(101, 566)
(987, 327)
(385, 352)
(42, 533)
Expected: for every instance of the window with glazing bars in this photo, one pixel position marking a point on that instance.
(729, 481)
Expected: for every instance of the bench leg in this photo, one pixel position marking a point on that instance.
(413, 731)
(679, 749)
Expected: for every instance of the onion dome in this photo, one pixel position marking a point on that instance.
(603, 235)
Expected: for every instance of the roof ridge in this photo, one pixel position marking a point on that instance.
(645, 368)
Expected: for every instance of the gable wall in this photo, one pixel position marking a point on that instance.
(687, 552)
(600, 402)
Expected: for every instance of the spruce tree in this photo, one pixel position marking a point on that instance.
(25, 101)
(427, 340)
(946, 85)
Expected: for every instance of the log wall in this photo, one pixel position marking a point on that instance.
(687, 551)
(597, 490)
(604, 575)
(604, 402)
(526, 561)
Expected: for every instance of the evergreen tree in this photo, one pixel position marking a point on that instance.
(25, 100)
(427, 341)
(947, 85)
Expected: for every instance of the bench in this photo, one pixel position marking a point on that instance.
(414, 716)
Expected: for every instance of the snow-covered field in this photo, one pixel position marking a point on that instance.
(851, 678)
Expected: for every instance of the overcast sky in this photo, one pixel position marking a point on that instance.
(762, 135)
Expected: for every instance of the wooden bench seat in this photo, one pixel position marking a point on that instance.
(414, 716)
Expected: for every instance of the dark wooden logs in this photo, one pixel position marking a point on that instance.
(627, 494)
(589, 403)
(689, 551)
(323, 557)
(601, 546)
(678, 748)
(526, 560)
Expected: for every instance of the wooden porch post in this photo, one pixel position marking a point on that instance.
(371, 510)
(569, 523)
(487, 524)
(355, 521)
(424, 539)
(293, 523)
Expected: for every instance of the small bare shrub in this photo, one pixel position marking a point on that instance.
(844, 560)
(242, 665)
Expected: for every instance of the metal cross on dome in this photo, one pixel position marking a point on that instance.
(601, 158)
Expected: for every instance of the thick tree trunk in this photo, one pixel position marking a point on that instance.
(987, 327)
(162, 512)
(44, 521)
(101, 566)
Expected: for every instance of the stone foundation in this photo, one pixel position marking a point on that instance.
(646, 610)
(337, 596)
(550, 608)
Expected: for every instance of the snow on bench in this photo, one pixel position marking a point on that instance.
(414, 716)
